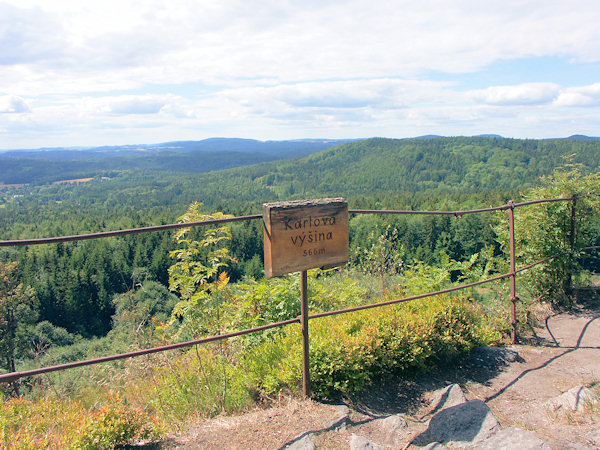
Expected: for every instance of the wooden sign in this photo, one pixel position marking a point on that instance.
(304, 234)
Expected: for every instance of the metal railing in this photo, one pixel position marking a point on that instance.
(510, 207)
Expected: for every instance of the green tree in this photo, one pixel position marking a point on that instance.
(555, 228)
(138, 311)
(197, 275)
(384, 256)
(17, 310)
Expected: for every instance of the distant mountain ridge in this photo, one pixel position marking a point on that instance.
(280, 149)
(321, 166)
(52, 164)
(582, 137)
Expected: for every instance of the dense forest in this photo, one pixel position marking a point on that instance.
(75, 283)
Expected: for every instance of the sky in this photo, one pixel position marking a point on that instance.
(111, 72)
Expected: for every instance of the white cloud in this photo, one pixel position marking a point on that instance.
(173, 42)
(523, 94)
(13, 104)
(29, 36)
(129, 104)
(303, 101)
(580, 96)
(270, 67)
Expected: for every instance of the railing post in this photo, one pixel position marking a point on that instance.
(513, 274)
(305, 341)
(568, 286)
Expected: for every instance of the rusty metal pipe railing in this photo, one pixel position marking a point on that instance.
(513, 273)
(9, 377)
(104, 234)
(545, 200)
(529, 266)
(593, 247)
(173, 226)
(407, 299)
(430, 213)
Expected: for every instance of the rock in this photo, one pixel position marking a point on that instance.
(465, 423)
(361, 443)
(342, 410)
(393, 429)
(305, 443)
(512, 438)
(447, 397)
(433, 446)
(574, 399)
(594, 438)
(393, 424)
(341, 422)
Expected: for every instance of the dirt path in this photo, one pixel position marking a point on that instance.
(566, 354)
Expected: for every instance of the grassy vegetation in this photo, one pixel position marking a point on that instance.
(58, 423)
(127, 402)
(110, 404)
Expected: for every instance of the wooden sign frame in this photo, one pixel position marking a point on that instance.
(304, 234)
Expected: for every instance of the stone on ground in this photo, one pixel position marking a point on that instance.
(447, 397)
(574, 399)
(342, 420)
(466, 423)
(593, 438)
(512, 438)
(306, 443)
(361, 443)
(392, 430)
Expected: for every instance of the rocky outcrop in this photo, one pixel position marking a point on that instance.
(304, 443)
(510, 439)
(575, 399)
(454, 422)
(463, 424)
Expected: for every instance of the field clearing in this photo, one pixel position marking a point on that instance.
(75, 180)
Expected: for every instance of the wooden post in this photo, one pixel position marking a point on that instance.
(513, 276)
(305, 341)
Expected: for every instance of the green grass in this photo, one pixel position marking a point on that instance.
(349, 353)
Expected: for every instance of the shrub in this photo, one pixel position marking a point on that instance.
(53, 423)
(349, 352)
(548, 229)
(116, 424)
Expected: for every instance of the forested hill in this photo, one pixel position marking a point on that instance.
(76, 282)
(388, 172)
(446, 165)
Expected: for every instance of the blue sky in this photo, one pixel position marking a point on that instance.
(87, 73)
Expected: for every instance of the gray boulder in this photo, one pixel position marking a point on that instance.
(360, 443)
(306, 443)
(593, 438)
(510, 439)
(447, 397)
(393, 430)
(574, 399)
(463, 424)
